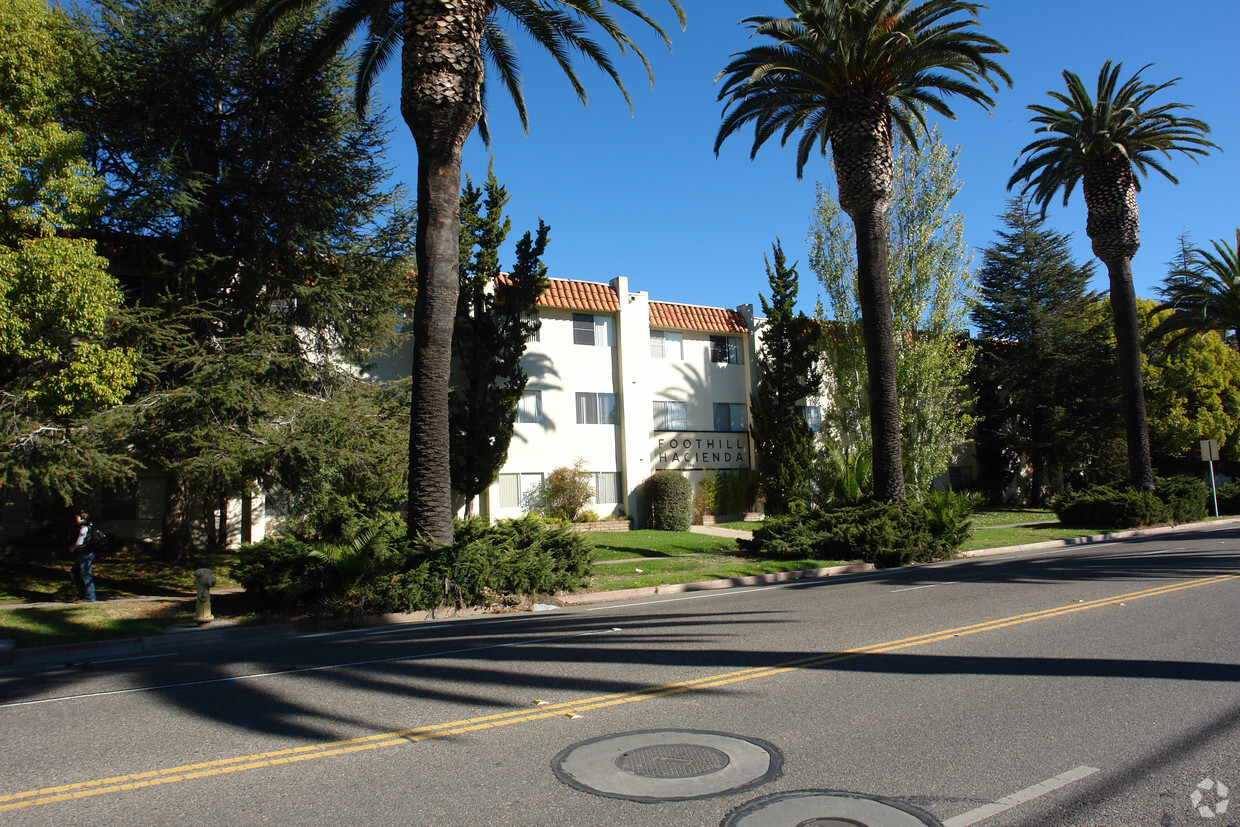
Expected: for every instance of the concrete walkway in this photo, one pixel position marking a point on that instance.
(720, 531)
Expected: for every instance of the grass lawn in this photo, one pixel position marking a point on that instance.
(1007, 516)
(690, 570)
(623, 545)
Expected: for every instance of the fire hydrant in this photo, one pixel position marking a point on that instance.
(203, 581)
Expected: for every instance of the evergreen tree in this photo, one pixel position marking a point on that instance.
(1046, 374)
(57, 363)
(783, 442)
(495, 318)
(246, 209)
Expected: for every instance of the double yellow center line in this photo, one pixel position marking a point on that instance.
(332, 749)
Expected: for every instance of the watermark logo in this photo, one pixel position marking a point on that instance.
(1209, 799)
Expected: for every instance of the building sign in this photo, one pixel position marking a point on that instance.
(688, 451)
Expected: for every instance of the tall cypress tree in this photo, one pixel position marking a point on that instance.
(783, 442)
(495, 319)
(1048, 399)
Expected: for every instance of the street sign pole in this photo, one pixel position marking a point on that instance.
(1209, 453)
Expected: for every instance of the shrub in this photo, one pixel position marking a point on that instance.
(385, 572)
(670, 496)
(1229, 498)
(566, 491)
(879, 533)
(1109, 507)
(1187, 498)
(949, 517)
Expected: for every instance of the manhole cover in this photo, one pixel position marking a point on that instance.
(672, 761)
(827, 808)
(667, 765)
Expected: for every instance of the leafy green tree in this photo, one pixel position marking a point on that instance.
(57, 364)
(1102, 142)
(1044, 375)
(444, 47)
(1202, 293)
(495, 319)
(783, 442)
(1192, 386)
(932, 287)
(843, 73)
(247, 206)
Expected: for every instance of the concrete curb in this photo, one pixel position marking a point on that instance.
(177, 636)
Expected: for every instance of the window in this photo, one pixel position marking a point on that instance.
(813, 416)
(607, 487)
(519, 490)
(729, 416)
(725, 349)
(596, 409)
(529, 409)
(667, 345)
(670, 416)
(593, 330)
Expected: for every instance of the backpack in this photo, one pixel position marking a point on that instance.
(96, 542)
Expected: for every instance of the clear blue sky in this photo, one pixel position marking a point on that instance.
(644, 196)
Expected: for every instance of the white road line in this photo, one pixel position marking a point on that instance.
(933, 585)
(1028, 794)
(304, 669)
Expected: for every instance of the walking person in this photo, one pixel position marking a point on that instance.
(83, 558)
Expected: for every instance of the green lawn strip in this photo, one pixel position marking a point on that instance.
(1007, 516)
(623, 545)
(50, 625)
(1024, 535)
(692, 569)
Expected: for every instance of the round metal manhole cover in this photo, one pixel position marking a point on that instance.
(667, 765)
(673, 761)
(827, 808)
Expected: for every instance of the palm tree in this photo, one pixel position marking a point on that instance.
(1203, 295)
(445, 47)
(843, 72)
(1103, 142)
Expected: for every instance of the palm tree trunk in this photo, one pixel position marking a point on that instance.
(441, 100)
(880, 354)
(438, 234)
(1128, 349)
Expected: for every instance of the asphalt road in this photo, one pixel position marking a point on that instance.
(1095, 685)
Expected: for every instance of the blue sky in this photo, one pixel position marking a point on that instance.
(644, 196)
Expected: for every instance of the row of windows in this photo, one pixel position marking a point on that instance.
(600, 409)
(524, 490)
(600, 331)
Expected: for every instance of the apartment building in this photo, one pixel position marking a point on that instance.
(628, 386)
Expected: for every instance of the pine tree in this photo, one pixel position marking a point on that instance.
(247, 215)
(495, 318)
(783, 442)
(1046, 374)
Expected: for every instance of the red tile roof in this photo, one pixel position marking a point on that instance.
(580, 295)
(692, 317)
(601, 298)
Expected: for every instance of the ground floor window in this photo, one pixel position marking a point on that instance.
(607, 487)
(670, 416)
(519, 490)
(729, 416)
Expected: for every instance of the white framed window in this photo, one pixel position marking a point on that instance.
(664, 344)
(607, 487)
(725, 349)
(529, 408)
(670, 416)
(597, 331)
(729, 416)
(519, 490)
(596, 409)
(813, 416)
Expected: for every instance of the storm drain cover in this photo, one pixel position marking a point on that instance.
(667, 764)
(827, 808)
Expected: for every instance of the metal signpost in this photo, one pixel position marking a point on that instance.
(1209, 453)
